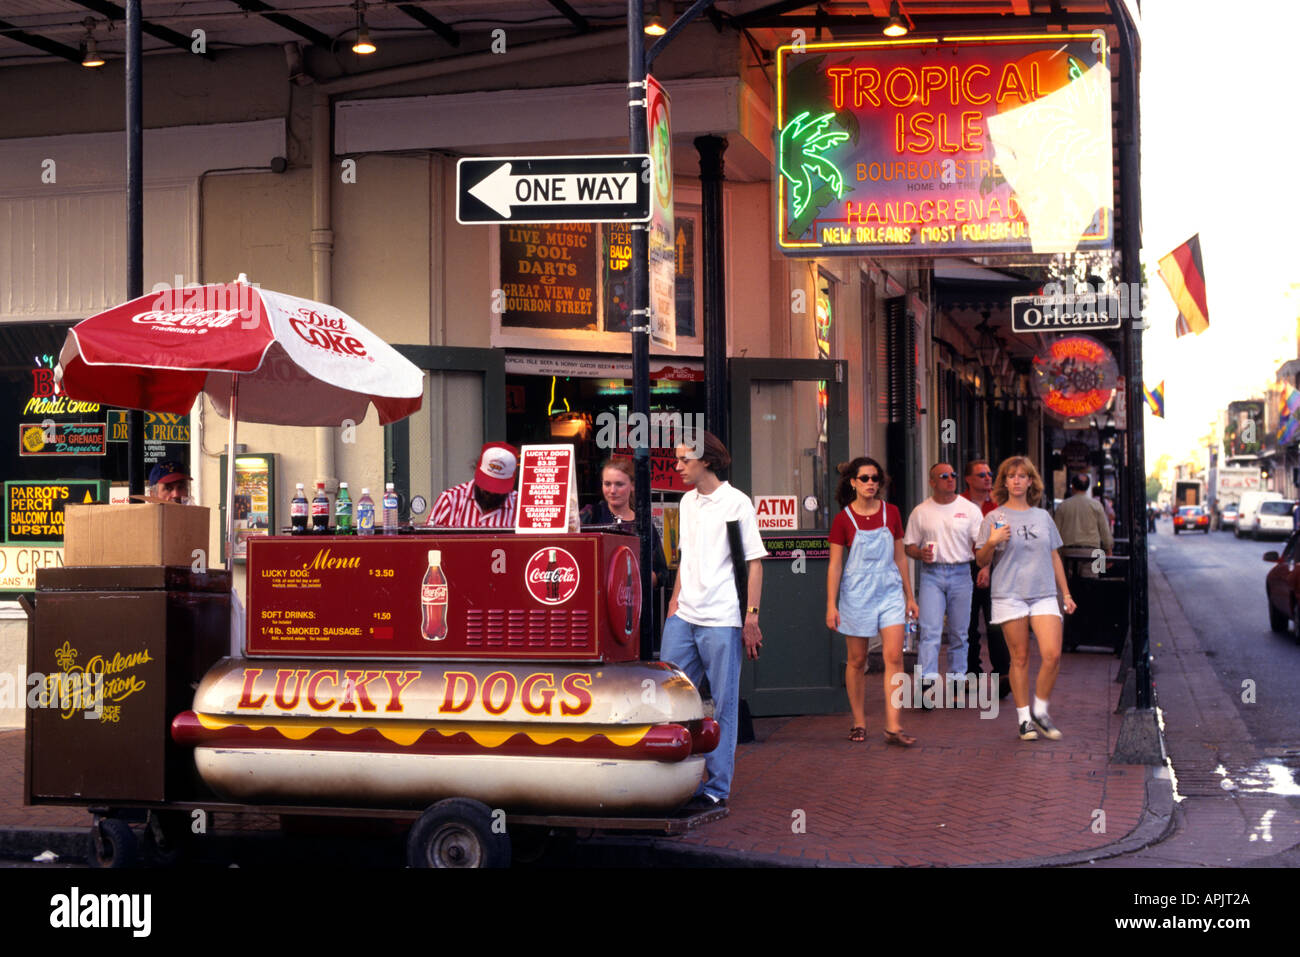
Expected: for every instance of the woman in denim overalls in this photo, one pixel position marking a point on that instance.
(868, 589)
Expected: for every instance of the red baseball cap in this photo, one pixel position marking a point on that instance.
(497, 462)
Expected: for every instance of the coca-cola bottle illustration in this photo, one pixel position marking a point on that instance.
(433, 599)
(552, 582)
(627, 625)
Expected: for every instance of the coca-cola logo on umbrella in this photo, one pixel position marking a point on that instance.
(551, 576)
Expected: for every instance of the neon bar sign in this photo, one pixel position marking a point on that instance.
(937, 146)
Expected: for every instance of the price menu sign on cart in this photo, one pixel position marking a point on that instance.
(548, 493)
(466, 595)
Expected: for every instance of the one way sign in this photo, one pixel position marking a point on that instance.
(553, 189)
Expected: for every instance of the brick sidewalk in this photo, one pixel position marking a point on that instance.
(970, 792)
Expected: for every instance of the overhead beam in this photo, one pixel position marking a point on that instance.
(113, 12)
(284, 21)
(427, 19)
(41, 43)
(572, 15)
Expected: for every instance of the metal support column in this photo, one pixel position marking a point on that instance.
(712, 174)
(134, 223)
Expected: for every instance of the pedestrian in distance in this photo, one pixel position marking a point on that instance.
(617, 487)
(705, 633)
(1020, 541)
(868, 589)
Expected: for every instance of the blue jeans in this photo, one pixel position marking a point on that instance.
(944, 589)
(700, 651)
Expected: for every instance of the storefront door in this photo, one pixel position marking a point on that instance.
(464, 406)
(789, 432)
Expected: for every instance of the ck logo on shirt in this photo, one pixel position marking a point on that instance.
(1026, 532)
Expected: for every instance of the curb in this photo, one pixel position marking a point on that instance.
(21, 843)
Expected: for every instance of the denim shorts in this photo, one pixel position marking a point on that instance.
(1009, 609)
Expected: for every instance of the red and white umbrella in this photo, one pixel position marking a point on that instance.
(259, 355)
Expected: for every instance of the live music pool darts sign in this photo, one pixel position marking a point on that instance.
(939, 145)
(553, 189)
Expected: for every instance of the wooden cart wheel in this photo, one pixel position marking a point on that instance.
(457, 832)
(112, 844)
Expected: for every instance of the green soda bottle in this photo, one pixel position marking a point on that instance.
(343, 511)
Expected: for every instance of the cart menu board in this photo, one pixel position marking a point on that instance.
(439, 596)
(547, 493)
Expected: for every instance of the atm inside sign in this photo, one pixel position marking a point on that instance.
(777, 512)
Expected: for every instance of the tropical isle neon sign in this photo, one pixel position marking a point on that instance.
(932, 146)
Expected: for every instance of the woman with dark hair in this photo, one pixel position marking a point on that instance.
(868, 589)
(1021, 542)
(617, 483)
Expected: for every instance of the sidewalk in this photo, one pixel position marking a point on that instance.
(969, 793)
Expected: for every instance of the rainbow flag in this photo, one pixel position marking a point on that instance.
(1185, 276)
(1156, 398)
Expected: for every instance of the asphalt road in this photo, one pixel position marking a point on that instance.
(1219, 580)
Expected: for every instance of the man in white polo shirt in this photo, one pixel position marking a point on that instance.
(705, 632)
(941, 534)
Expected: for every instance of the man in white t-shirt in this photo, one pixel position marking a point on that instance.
(941, 534)
(704, 633)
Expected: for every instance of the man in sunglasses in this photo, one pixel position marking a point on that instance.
(979, 489)
(941, 534)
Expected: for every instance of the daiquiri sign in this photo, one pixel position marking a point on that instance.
(944, 145)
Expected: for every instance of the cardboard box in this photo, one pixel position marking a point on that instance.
(136, 534)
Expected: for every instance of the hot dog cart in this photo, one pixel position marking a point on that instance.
(466, 681)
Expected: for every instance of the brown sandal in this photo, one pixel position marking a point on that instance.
(899, 738)
(857, 734)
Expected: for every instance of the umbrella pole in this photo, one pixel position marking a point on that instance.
(236, 607)
(230, 472)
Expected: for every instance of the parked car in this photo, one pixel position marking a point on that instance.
(1248, 506)
(1273, 520)
(1191, 518)
(1228, 516)
(1282, 587)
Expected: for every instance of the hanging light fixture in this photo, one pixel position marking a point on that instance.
(895, 27)
(91, 59)
(657, 25)
(363, 46)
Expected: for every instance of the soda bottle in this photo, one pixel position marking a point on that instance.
(343, 511)
(433, 600)
(320, 511)
(627, 624)
(390, 509)
(911, 635)
(298, 511)
(552, 586)
(365, 513)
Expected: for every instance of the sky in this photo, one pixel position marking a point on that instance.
(1219, 157)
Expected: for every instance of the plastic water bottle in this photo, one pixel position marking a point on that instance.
(365, 513)
(298, 511)
(343, 511)
(390, 509)
(911, 635)
(1000, 520)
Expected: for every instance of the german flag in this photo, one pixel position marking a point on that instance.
(1156, 398)
(1185, 276)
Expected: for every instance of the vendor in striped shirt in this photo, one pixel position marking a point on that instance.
(486, 501)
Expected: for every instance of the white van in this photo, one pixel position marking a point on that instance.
(1248, 511)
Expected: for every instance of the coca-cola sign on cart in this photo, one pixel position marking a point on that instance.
(551, 576)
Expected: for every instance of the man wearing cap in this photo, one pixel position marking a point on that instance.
(489, 499)
(169, 482)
